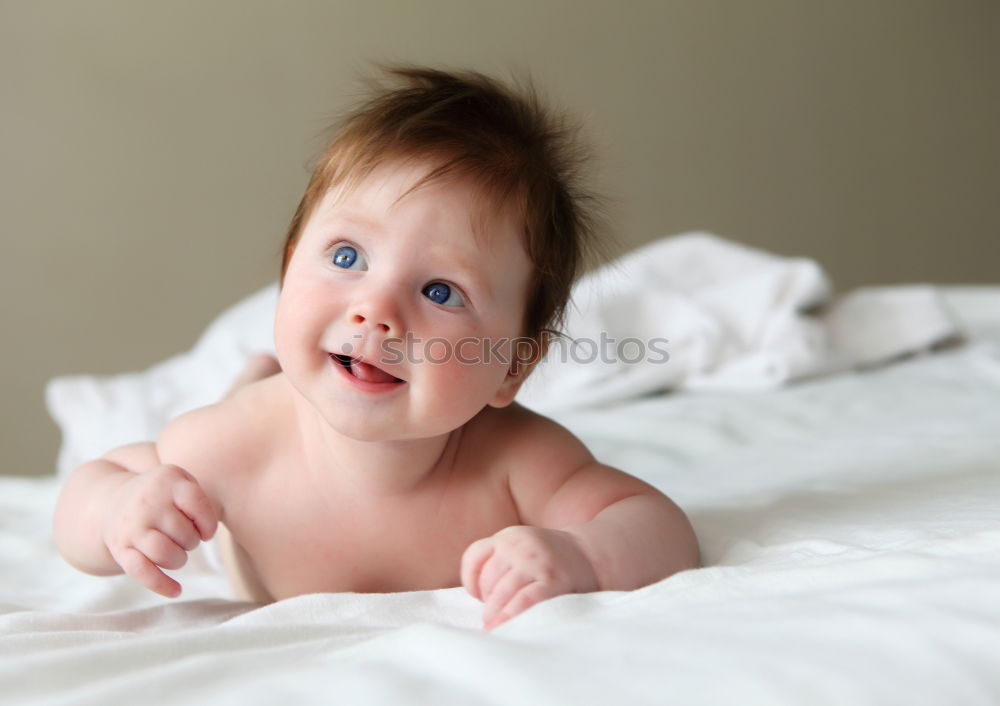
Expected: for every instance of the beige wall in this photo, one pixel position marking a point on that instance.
(151, 153)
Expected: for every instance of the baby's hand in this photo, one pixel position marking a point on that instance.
(520, 566)
(154, 520)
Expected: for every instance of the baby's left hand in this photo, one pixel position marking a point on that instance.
(520, 566)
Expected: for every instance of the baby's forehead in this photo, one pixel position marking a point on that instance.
(391, 186)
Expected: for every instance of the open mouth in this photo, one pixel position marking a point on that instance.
(364, 371)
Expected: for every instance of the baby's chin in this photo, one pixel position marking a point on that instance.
(369, 428)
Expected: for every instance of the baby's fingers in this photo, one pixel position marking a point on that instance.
(526, 596)
(192, 500)
(160, 549)
(473, 559)
(136, 565)
(180, 529)
(503, 590)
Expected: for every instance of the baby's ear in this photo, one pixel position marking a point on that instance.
(527, 353)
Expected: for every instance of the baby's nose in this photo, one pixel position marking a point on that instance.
(376, 323)
(376, 306)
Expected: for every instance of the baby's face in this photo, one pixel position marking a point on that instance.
(408, 287)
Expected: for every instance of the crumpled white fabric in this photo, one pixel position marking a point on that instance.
(708, 313)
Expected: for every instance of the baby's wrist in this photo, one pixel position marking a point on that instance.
(580, 538)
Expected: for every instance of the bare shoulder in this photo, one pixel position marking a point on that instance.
(515, 435)
(553, 478)
(234, 436)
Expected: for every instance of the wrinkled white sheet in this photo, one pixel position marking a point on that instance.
(850, 528)
(697, 312)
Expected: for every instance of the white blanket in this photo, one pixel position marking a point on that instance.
(850, 533)
(695, 311)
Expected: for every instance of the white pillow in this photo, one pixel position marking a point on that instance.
(98, 413)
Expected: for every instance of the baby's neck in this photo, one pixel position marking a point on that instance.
(370, 469)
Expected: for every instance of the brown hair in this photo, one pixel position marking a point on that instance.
(516, 152)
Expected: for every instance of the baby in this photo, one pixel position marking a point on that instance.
(440, 233)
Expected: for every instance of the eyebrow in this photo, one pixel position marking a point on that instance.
(353, 219)
(472, 274)
(462, 268)
(465, 271)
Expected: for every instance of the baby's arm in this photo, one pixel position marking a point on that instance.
(586, 527)
(635, 536)
(128, 512)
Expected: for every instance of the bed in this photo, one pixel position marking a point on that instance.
(849, 524)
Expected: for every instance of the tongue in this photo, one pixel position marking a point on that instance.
(369, 373)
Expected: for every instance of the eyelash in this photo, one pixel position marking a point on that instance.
(334, 245)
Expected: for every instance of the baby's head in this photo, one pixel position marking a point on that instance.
(521, 160)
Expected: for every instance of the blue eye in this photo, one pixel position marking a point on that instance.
(441, 293)
(349, 258)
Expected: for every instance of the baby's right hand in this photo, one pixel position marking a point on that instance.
(153, 521)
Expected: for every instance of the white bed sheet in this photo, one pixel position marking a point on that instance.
(850, 528)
